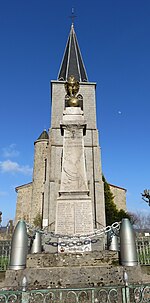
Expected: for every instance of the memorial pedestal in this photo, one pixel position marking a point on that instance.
(74, 207)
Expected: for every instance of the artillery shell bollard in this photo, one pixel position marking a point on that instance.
(128, 252)
(36, 245)
(112, 241)
(19, 247)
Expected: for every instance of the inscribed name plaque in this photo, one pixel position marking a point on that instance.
(74, 217)
(65, 218)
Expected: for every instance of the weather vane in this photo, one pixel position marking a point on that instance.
(72, 16)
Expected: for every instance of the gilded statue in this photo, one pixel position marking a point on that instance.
(72, 88)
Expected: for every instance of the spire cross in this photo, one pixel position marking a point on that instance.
(72, 16)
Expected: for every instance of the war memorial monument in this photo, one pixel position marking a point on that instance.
(67, 159)
(73, 248)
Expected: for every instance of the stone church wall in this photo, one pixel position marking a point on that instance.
(24, 194)
(119, 196)
(39, 177)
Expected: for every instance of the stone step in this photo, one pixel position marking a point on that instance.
(74, 270)
(74, 277)
(95, 258)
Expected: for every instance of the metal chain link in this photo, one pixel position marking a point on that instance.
(78, 240)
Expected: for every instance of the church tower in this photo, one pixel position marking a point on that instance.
(39, 198)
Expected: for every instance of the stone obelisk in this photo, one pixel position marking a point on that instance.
(74, 207)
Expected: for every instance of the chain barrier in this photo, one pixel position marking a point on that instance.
(73, 243)
(71, 240)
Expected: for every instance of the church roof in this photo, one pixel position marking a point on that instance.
(72, 63)
(43, 135)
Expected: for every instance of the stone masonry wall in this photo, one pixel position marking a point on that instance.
(40, 156)
(119, 196)
(87, 90)
(23, 202)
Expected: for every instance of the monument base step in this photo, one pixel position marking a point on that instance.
(92, 269)
(73, 277)
(94, 258)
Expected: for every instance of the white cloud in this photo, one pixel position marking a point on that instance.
(10, 151)
(9, 166)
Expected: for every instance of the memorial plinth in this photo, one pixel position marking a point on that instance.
(74, 207)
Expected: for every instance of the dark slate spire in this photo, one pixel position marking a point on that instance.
(43, 135)
(72, 63)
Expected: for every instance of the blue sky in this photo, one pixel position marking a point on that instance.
(114, 37)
